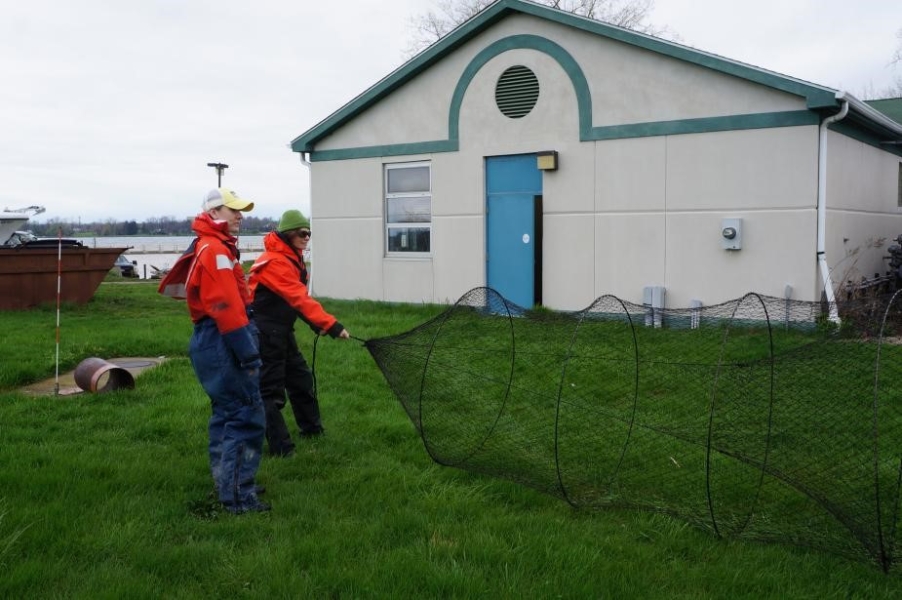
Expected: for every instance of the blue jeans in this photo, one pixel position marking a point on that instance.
(238, 421)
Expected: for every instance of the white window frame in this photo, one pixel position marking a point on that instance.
(391, 228)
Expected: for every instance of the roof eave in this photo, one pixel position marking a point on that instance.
(306, 142)
(817, 97)
(871, 118)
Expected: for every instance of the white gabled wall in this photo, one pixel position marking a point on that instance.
(767, 177)
(346, 209)
(458, 237)
(863, 216)
(620, 214)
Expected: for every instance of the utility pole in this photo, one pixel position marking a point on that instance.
(220, 167)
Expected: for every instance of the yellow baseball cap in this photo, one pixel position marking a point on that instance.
(223, 197)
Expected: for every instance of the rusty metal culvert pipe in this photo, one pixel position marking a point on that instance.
(97, 375)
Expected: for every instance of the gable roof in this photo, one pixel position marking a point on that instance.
(891, 107)
(878, 126)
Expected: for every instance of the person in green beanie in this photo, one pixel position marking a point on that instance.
(278, 285)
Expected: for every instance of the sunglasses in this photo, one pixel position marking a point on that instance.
(304, 233)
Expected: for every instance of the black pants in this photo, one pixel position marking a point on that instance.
(285, 373)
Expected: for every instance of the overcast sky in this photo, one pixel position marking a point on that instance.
(111, 109)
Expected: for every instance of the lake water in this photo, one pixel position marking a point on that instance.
(162, 251)
(164, 244)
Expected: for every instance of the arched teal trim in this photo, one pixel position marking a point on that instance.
(524, 42)
(587, 132)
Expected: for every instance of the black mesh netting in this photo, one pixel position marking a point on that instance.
(758, 418)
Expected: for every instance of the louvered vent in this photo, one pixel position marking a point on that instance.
(516, 92)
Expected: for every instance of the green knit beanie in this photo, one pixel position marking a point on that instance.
(293, 219)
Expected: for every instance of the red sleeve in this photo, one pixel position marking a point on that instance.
(215, 291)
(280, 276)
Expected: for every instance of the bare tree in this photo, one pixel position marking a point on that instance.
(897, 57)
(429, 27)
(895, 89)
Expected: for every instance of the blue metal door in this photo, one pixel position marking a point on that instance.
(513, 197)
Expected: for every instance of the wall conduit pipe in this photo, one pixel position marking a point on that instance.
(822, 207)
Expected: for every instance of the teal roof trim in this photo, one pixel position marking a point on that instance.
(861, 135)
(613, 132)
(306, 142)
(386, 150)
(705, 125)
(817, 97)
(584, 106)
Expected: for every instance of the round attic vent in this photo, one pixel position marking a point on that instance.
(516, 92)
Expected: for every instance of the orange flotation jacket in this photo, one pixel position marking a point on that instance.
(209, 276)
(278, 284)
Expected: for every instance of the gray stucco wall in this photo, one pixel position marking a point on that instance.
(619, 214)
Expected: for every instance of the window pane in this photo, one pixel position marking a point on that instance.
(409, 179)
(408, 239)
(408, 210)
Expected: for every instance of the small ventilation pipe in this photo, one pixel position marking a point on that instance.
(822, 207)
(306, 162)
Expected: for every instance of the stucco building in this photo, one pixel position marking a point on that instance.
(556, 159)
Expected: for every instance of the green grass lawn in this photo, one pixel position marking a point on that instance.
(107, 495)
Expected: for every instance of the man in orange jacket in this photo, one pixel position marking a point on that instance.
(224, 348)
(278, 283)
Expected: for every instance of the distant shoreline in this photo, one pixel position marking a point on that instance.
(171, 244)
